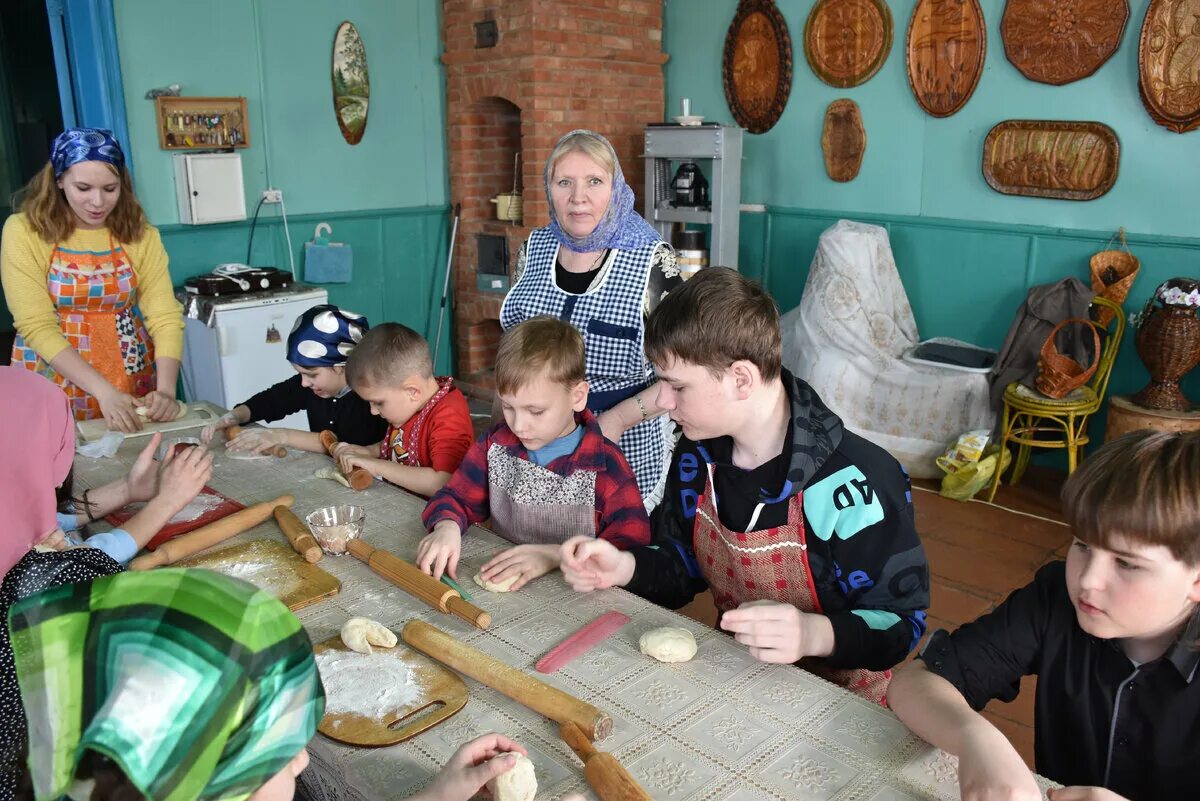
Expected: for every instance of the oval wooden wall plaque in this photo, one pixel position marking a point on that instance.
(1059, 41)
(847, 41)
(947, 42)
(351, 82)
(1169, 63)
(843, 140)
(757, 65)
(1046, 158)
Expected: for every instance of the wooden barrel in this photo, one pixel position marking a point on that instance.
(1125, 416)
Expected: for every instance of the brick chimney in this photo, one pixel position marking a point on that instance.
(556, 65)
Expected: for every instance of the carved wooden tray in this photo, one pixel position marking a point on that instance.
(847, 41)
(1046, 158)
(757, 65)
(1169, 64)
(843, 140)
(947, 42)
(1059, 41)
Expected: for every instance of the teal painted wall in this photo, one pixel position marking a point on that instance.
(966, 253)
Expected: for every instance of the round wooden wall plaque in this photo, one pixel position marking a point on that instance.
(847, 41)
(1169, 64)
(1059, 41)
(947, 42)
(757, 65)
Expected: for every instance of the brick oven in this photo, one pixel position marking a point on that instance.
(520, 74)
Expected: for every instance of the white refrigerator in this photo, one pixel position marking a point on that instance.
(236, 346)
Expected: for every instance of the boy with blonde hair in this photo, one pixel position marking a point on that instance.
(544, 474)
(429, 425)
(803, 530)
(1111, 634)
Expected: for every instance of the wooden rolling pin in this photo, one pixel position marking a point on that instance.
(298, 534)
(516, 684)
(603, 772)
(409, 578)
(359, 479)
(185, 545)
(233, 432)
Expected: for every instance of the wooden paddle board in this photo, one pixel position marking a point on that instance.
(199, 413)
(207, 507)
(273, 566)
(434, 694)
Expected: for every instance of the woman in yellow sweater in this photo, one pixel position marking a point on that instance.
(87, 284)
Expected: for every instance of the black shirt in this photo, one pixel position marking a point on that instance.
(577, 283)
(348, 416)
(1100, 720)
(740, 491)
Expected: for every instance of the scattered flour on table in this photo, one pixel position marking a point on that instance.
(258, 565)
(371, 685)
(199, 506)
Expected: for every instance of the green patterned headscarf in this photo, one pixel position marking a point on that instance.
(198, 685)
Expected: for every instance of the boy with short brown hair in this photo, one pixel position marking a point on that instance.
(1111, 634)
(544, 474)
(803, 530)
(429, 424)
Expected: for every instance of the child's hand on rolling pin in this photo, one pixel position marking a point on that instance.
(526, 562)
(182, 476)
(346, 449)
(592, 564)
(779, 633)
(142, 481)
(220, 424)
(160, 407)
(347, 462)
(437, 553)
(258, 440)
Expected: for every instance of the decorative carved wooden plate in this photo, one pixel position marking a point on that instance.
(1046, 158)
(847, 41)
(843, 140)
(1059, 41)
(947, 41)
(757, 65)
(351, 83)
(1169, 63)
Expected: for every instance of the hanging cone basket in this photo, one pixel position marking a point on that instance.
(1113, 272)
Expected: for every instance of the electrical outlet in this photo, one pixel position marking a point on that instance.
(272, 196)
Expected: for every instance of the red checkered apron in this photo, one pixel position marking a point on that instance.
(771, 565)
(95, 295)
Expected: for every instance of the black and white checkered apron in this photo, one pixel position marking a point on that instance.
(612, 322)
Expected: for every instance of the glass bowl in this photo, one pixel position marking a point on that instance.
(334, 527)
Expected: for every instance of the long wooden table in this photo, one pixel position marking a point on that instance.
(722, 726)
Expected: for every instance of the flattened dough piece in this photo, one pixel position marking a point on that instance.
(495, 586)
(517, 784)
(360, 633)
(332, 473)
(668, 644)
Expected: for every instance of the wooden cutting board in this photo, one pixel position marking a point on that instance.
(273, 566)
(200, 413)
(438, 695)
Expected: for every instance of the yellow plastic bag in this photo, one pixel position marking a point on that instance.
(964, 479)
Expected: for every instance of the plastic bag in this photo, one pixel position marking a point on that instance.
(964, 479)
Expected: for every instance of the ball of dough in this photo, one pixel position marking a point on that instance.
(360, 633)
(517, 784)
(495, 586)
(668, 644)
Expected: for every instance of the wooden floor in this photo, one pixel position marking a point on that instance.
(978, 554)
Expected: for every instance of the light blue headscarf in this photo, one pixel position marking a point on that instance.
(620, 227)
(85, 144)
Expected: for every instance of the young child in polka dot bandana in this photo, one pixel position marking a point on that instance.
(320, 343)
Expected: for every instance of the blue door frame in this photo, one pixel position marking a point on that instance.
(84, 34)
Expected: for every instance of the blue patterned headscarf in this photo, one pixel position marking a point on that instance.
(324, 336)
(85, 144)
(620, 226)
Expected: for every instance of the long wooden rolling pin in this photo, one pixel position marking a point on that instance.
(206, 536)
(603, 772)
(298, 534)
(233, 432)
(409, 578)
(359, 479)
(518, 685)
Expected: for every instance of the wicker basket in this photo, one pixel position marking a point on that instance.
(1113, 273)
(1059, 374)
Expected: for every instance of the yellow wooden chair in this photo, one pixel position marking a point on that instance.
(1032, 420)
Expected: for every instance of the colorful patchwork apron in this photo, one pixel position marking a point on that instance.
(96, 298)
(772, 565)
